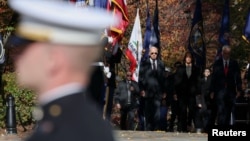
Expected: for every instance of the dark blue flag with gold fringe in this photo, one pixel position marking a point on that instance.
(147, 36)
(196, 37)
(100, 3)
(155, 33)
(224, 29)
(246, 31)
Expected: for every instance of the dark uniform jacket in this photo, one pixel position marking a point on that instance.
(71, 118)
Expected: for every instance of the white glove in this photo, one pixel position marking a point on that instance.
(106, 69)
(110, 39)
(108, 75)
(107, 72)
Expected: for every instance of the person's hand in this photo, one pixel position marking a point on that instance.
(164, 95)
(106, 71)
(143, 93)
(118, 106)
(246, 95)
(238, 94)
(199, 105)
(175, 97)
(110, 39)
(212, 95)
(132, 88)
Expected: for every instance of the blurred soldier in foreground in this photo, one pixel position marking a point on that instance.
(56, 44)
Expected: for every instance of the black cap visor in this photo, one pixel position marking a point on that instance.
(17, 41)
(17, 45)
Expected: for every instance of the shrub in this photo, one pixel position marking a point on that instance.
(24, 100)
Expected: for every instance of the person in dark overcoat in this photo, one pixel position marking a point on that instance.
(187, 87)
(226, 86)
(151, 83)
(206, 108)
(127, 100)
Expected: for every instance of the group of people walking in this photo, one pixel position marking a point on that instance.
(199, 98)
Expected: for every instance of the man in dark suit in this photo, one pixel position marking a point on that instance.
(226, 86)
(127, 100)
(55, 51)
(187, 87)
(151, 83)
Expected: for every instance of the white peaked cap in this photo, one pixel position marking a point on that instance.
(61, 22)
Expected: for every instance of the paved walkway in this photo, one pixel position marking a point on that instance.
(158, 136)
(135, 136)
(12, 137)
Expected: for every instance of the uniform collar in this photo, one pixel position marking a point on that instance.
(59, 92)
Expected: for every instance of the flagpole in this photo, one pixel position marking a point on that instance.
(2, 67)
(137, 42)
(137, 54)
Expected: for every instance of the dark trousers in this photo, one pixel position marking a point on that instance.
(141, 114)
(109, 107)
(225, 101)
(128, 118)
(163, 118)
(152, 114)
(200, 116)
(175, 114)
(210, 116)
(187, 113)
